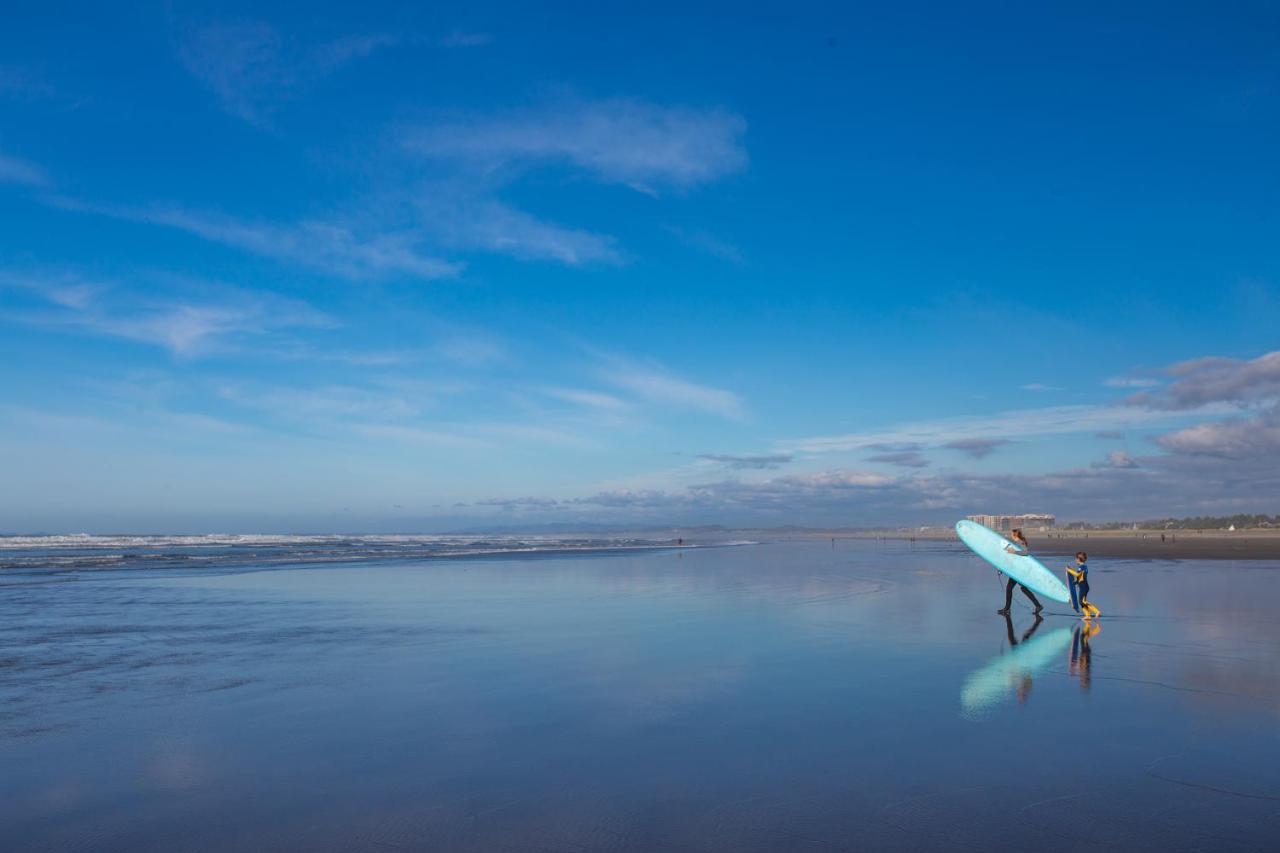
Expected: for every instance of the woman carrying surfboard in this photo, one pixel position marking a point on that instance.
(1013, 560)
(1021, 548)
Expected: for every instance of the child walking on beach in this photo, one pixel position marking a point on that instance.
(1078, 581)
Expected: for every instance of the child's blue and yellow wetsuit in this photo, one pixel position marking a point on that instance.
(1079, 575)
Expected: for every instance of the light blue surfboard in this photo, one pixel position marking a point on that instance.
(1026, 570)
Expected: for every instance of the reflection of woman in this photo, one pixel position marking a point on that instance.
(1022, 690)
(1021, 548)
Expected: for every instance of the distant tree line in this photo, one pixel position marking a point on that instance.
(1198, 522)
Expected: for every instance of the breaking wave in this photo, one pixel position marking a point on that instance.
(84, 551)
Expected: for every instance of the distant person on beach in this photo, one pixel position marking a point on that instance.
(1078, 578)
(1022, 548)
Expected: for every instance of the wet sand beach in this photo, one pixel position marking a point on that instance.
(794, 694)
(1129, 544)
(1179, 546)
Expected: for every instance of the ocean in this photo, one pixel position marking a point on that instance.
(453, 694)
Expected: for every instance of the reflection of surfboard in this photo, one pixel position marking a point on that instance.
(1026, 570)
(994, 682)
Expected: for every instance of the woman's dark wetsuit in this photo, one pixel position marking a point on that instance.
(1008, 587)
(1008, 596)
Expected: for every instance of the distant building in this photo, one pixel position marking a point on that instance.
(1005, 523)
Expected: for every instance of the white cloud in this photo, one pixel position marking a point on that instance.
(1204, 381)
(1130, 382)
(490, 226)
(901, 458)
(185, 326)
(326, 247)
(591, 399)
(978, 448)
(328, 402)
(621, 141)
(14, 170)
(1117, 459)
(748, 462)
(251, 69)
(334, 54)
(1255, 438)
(417, 435)
(658, 386)
(61, 288)
(1018, 423)
(241, 64)
(184, 330)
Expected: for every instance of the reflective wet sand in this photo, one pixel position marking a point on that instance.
(773, 697)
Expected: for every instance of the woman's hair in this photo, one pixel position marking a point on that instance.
(1081, 556)
(1017, 533)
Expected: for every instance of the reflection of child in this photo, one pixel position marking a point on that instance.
(1078, 578)
(1081, 655)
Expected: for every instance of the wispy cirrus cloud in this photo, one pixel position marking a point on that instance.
(485, 224)
(656, 385)
(591, 399)
(334, 54)
(62, 288)
(189, 329)
(329, 247)
(251, 68)
(15, 170)
(417, 435)
(324, 246)
(212, 319)
(635, 143)
(326, 402)
(240, 63)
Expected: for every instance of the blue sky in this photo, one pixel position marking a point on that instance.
(390, 268)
